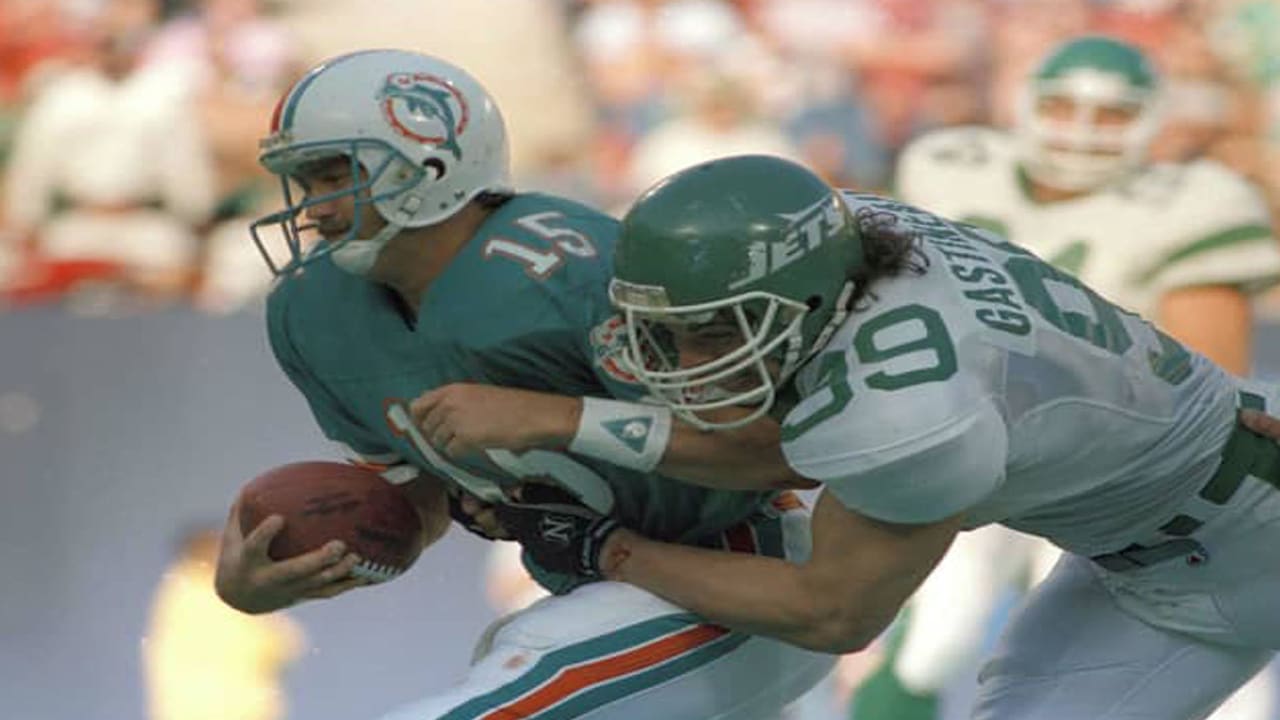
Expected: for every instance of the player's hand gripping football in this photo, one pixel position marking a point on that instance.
(463, 419)
(250, 581)
(561, 534)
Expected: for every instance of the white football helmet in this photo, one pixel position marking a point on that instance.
(1088, 74)
(427, 135)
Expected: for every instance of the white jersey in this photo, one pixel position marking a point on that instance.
(998, 386)
(1166, 227)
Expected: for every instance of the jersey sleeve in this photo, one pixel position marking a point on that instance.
(1220, 235)
(355, 442)
(914, 455)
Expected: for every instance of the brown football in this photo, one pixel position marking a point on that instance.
(323, 501)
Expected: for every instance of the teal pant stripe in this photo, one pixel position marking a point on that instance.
(585, 651)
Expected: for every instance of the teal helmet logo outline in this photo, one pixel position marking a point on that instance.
(420, 107)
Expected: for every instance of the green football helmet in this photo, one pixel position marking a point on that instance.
(754, 243)
(1088, 113)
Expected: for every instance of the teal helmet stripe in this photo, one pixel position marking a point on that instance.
(291, 105)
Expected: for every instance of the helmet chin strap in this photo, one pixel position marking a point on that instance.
(358, 256)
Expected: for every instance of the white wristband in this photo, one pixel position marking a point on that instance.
(630, 435)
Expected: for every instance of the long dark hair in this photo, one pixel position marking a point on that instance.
(888, 250)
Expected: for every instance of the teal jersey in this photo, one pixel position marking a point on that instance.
(522, 305)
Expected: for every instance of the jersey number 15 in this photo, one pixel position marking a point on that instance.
(539, 262)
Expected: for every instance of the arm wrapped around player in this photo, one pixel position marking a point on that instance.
(560, 534)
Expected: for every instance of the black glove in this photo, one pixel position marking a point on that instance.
(559, 532)
(465, 520)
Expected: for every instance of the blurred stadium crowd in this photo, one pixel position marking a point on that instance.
(129, 128)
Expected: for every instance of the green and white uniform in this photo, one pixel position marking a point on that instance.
(1162, 228)
(1001, 388)
(970, 379)
(973, 381)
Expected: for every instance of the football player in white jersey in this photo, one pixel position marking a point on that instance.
(1181, 244)
(934, 378)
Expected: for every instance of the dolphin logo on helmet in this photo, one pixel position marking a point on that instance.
(419, 106)
(423, 139)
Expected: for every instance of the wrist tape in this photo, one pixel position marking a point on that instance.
(631, 435)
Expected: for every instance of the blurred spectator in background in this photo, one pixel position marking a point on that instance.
(110, 163)
(205, 661)
(1247, 34)
(1208, 111)
(719, 117)
(1021, 32)
(603, 96)
(637, 56)
(918, 64)
(238, 62)
(36, 38)
(814, 93)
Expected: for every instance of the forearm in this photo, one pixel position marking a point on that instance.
(745, 458)
(747, 593)
(860, 573)
(1215, 321)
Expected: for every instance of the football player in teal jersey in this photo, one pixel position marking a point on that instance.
(935, 378)
(429, 269)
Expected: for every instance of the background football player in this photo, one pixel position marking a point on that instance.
(1184, 245)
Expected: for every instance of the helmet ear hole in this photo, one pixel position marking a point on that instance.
(436, 164)
(813, 302)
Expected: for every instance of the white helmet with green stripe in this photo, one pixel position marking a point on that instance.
(423, 136)
(1088, 113)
